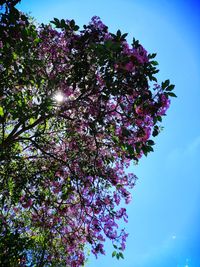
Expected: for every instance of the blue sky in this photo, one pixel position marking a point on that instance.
(164, 215)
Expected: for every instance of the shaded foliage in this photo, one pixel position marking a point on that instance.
(63, 159)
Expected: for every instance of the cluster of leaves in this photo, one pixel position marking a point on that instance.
(63, 163)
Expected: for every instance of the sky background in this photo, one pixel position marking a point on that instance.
(164, 216)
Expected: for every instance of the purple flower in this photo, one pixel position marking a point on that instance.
(97, 23)
(130, 67)
(141, 55)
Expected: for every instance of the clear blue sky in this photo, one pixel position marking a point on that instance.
(164, 216)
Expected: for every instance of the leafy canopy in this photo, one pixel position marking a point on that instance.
(76, 107)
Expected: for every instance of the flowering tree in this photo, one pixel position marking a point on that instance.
(76, 107)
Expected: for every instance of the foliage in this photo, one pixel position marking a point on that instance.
(76, 107)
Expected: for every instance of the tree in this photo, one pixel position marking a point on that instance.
(76, 108)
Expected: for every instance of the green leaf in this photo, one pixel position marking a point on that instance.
(62, 23)
(114, 253)
(72, 24)
(76, 28)
(159, 118)
(150, 142)
(56, 22)
(32, 120)
(154, 63)
(121, 255)
(14, 55)
(119, 33)
(124, 36)
(18, 147)
(1, 111)
(36, 40)
(171, 94)
(115, 139)
(11, 186)
(152, 55)
(152, 78)
(149, 148)
(165, 84)
(155, 131)
(130, 149)
(136, 43)
(170, 87)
